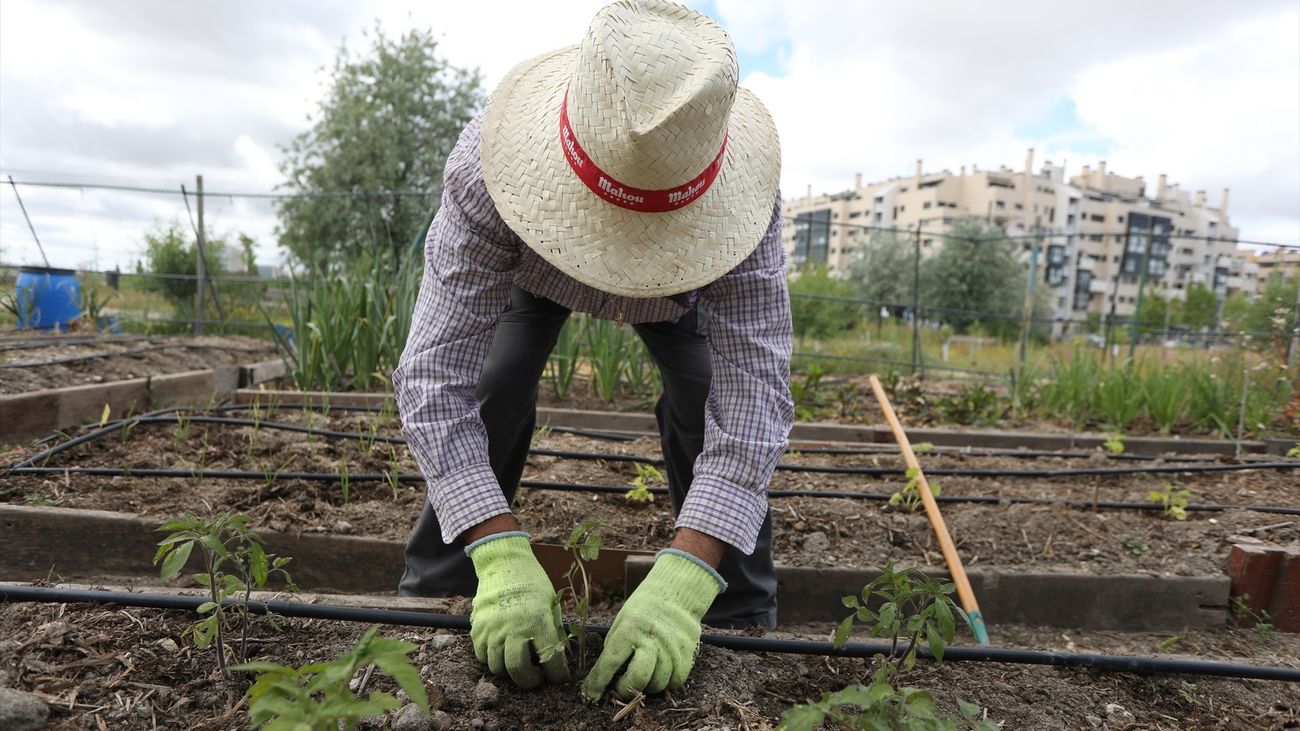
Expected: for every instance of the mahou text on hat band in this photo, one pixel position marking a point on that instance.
(625, 196)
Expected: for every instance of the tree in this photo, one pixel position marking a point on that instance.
(1200, 308)
(387, 123)
(816, 305)
(170, 250)
(975, 272)
(883, 269)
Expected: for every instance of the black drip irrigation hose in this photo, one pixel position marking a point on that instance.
(1108, 663)
(814, 469)
(408, 478)
(136, 351)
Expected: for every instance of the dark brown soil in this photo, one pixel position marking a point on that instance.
(851, 532)
(138, 358)
(105, 668)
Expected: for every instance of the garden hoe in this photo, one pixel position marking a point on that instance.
(950, 556)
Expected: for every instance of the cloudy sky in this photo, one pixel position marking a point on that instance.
(152, 92)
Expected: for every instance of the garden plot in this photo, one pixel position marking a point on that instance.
(37, 362)
(368, 485)
(338, 471)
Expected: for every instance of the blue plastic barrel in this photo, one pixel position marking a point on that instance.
(47, 298)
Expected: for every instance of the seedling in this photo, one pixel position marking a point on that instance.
(804, 393)
(1137, 547)
(1294, 452)
(1114, 444)
(645, 476)
(923, 448)
(343, 481)
(1168, 643)
(909, 498)
(182, 431)
(584, 543)
(234, 563)
(912, 606)
(1261, 622)
(316, 696)
(38, 500)
(1172, 501)
(103, 417)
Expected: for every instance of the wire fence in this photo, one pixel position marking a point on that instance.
(86, 221)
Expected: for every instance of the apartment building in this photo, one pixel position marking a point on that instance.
(1277, 263)
(1092, 230)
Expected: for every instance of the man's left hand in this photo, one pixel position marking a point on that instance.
(658, 630)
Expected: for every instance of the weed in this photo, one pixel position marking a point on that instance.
(234, 563)
(1114, 444)
(909, 498)
(804, 393)
(923, 448)
(1168, 643)
(1137, 546)
(1294, 452)
(343, 481)
(38, 500)
(1261, 622)
(317, 696)
(1172, 501)
(911, 607)
(976, 404)
(645, 476)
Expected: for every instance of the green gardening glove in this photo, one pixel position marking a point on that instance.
(515, 612)
(658, 630)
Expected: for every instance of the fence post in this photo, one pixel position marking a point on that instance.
(917, 364)
(1142, 280)
(1027, 312)
(202, 266)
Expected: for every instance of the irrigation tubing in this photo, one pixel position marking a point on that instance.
(407, 478)
(136, 351)
(814, 469)
(1108, 663)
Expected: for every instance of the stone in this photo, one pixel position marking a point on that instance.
(21, 711)
(816, 542)
(486, 694)
(439, 643)
(168, 645)
(411, 718)
(441, 720)
(342, 526)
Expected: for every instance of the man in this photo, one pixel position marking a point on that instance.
(629, 178)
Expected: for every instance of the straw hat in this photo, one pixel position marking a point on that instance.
(634, 163)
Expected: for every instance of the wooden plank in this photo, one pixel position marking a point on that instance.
(26, 414)
(336, 398)
(267, 370)
(182, 389)
(83, 404)
(37, 542)
(1080, 601)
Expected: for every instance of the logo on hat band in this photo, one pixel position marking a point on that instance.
(625, 196)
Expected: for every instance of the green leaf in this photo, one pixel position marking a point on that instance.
(801, 718)
(257, 564)
(935, 641)
(842, 632)
(969, 711)
(206, 607)
(850, 601)
(943, 615)
(176, 561)
(407, 677)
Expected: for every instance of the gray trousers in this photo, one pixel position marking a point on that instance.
(507, 394)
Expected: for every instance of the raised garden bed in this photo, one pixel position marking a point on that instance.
(105, 667)
(35, 362)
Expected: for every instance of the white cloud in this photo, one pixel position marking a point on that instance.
(153, 92)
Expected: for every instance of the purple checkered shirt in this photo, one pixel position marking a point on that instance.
(472, 258)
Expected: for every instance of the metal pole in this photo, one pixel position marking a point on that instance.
(1142, 280)
(29, 221)
(1028, 309)
(1293, 358)
(916, 299)
(202, 266)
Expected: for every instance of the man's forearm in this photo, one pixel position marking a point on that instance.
(701, 545)
(495, 524)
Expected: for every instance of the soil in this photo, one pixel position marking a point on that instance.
(100, 667)
(808, 531)
(126, 357)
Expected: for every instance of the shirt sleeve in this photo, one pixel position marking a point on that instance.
(749, 411)
(469, 259)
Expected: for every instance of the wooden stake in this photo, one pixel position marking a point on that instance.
(964, 591)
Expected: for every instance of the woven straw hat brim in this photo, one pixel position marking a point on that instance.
(619, 251)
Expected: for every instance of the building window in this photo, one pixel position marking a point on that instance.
(926, 204)
(812, 236)
(1097, 217)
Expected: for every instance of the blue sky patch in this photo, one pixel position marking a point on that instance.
(1059, 126)
(770, 60)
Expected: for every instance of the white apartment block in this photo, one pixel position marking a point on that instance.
(1094, 229)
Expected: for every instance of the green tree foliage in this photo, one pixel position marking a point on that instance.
(883, 270)
(816, 306)
(1271, 310)
(1200, 308)
(975, 270)
(172, 250)
(387, 123)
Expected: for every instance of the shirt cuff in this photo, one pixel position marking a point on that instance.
(466, 497)
(725, 511)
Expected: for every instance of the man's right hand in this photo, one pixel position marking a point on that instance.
(516, 612)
